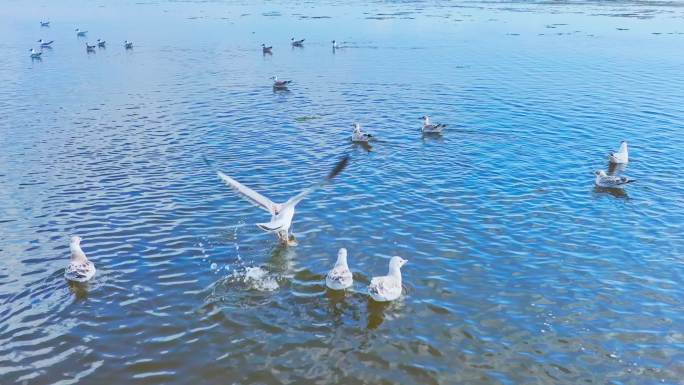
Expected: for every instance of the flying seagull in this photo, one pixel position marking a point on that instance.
(281, 213)
(620, 157)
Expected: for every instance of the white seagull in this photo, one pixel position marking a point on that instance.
(90, 48)
(339, 277)
(44, 23)
(265, 49)
(35, 54)
(128, 44)
(281, 213)
(430, 128)
(280, 84)
(80, 33)
(80, 269)
(334, 45)
(388, 287)
(101, 43)
(44, 43)
(360, 136)
(611, 181)
(297, 43)
(621, 156)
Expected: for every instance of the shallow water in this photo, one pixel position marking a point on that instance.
(519, 272)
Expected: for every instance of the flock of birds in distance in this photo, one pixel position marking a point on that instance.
(44, 44)
(383, 288)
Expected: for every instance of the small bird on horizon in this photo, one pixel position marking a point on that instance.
(265, 49)
(80, 33)
(297, 43)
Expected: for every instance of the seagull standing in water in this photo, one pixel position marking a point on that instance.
(35, 54)
(80, 269)
(281, 213)
(265, 49)
(128, 44)
(280, 84)
(620, 157)
(388, 287)
(101, 43)
(611, 181)
(297, 43)
(90, 48)
(80, 33)
(45, 44)
(359, 136)
(339, 277)
(334, 45)
(431, 128)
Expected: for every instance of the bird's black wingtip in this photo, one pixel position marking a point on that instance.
(341, 165)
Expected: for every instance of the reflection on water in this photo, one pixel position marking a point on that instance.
(521, 271)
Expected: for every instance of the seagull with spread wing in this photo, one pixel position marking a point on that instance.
(281, 213)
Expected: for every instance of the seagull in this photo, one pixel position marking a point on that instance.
(128, 44)
(359, 136)
(80, 269)
(429, 128)
(101, 43)
(281, 213)
(339, 277)
(297, 43)
(35, 54)
(334, 45)
(44, 43)
(265, 49)
(44, 23)
(280, 84)
(80, 33)
(90, 48)
(611, 181)
(388, 287)
(621, 156)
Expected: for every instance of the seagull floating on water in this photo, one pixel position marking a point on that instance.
(388, 287)
(281, 213)
(360, 136)
(265, 49)
(80, 33)
(620, 157)
(339, 277)
(611, 181)
(297, 43)
(35, 54)
(44, 43)
(44, 23)
(101, 43)
(334, 45)
(128, 44)
(431, 128)
(80, 269)
(90, 48)
(280, 84)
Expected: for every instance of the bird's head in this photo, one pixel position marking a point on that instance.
(397, 262)
(75, 240)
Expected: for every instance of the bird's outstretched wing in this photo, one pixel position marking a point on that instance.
(332, 174)
(248, 193)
